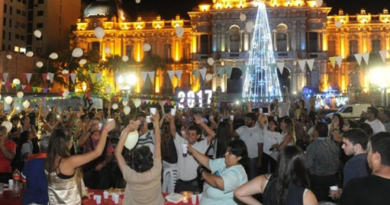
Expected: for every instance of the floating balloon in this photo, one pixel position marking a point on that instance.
(20, 94)
(26, 104)
(114, 106)
(124, 103)
(77, 52)
(147, 47)
(8, 100)
(249, 26)
(137, 102)
(209, 77)
(99, 32)
(337, 24)
(82, 61)
(37, 33)
(127, 110)
(125, 58)
(30, 54)
(8, 125)
(210, 61)
(65, 93)
(242, 17)
(39, 64)
(9, 57)
(53, 56)
(107, 50)
(137, 1)
(131, 140)
(179, 31)
(16, 81)
(65, 72)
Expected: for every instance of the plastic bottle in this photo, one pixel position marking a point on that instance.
(16, 177)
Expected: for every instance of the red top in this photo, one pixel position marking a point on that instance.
(5, 164)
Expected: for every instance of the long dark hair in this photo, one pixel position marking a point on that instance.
(58, 146)
(341, 121)
(290, 170)
(223, 138)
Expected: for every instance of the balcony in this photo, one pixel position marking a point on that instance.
(234, 55)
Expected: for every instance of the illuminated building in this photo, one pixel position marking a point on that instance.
(301, 29)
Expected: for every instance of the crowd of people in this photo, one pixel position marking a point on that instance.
(236, 156)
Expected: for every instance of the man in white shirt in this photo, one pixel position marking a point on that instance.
(372, 120)
(252, 135)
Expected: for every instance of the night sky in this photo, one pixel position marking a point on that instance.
(169, 8)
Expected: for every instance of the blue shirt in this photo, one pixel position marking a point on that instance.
(36, 190)
(356, 167)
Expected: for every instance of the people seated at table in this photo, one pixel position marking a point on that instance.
(34, 172)
(23, 150)
(143, 175)
(288, 185)
(61, 169)
(227, 174)
(7, 154)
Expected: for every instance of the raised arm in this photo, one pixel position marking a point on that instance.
(172, 126)
(119, 148)
(162, 103)
(201, 158)
(157, 134)
(245, 192)
(209, 131)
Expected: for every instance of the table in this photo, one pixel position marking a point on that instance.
(9, 198)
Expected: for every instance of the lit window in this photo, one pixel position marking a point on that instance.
(23, 50)
(16, 49)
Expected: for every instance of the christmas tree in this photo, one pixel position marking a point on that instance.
(261, 80)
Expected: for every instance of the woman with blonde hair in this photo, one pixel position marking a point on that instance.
(287, 126)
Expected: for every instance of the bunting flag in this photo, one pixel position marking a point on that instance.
(50, 77)
(280, 66)
(195, 73)
(98, 77)
(73, 77)
(221, 71)
(5, 76)
(332, 61)
(383, 55)
(44, 76)
(93, 77)
(310, 64)
(144, 74)
(229, 71)
(39, 89)
(302, 64)
(359, 57)
(151, 76)
(178, 74)
(171, 73)
(339, 60)
(28, 76)
(366, 57)
(24, 87)
(203, 72)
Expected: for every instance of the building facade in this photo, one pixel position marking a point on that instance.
(301, 29)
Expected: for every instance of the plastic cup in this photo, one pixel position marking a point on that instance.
(199, 197)
(98, 199)
(148, 119)
(153, 110)
(193, 199)
(1, 188)
(184, 148)
(115, 198)
(105, 194)
(100, 126)
(11, 184)
(110, 119)
(173, 112)
(231, 117)
(334, 188)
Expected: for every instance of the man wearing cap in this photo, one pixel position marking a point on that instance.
(7, 154)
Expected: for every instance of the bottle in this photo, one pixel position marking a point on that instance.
(16, 178)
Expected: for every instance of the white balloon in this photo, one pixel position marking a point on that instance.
(16, 81)
(137, 102)
(124, 103)
(107, 50)
(9, 57)
(20, 94)
(8, 125)
(65, 72)
(39, 64)
(65, 93)
(77, 52)
(99, 32)
(249, 26)
(242, 17)
(127, 110)
(319, 3)
(82, 61)
(137, 1)
(30, 54)
(179, 31)
(209, 77)
(131, 140)
(210, 61)
(37, 33)
(114, 106)
(26, 104)
(337, 24)
(125, 58)
(147, 47)
(53, 56)
(8, 100)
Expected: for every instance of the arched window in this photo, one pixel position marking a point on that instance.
(281, 37)
(234, 39)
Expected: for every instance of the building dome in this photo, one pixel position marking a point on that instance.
(102, 8)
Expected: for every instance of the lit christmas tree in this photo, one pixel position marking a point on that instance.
(261, 80)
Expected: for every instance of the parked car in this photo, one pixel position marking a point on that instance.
(324, 112)
(351, 111)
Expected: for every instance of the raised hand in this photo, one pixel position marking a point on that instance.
(198, 120)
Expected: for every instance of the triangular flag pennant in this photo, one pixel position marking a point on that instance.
(178, 74)
(50, 76)
(203, 72)
(383, 55)
(310, 64)
(221, 71)
(5, 76)
(339, 59)
(151, 76)
(229, 71)
(358, 57)
(171, 73)
(98, 77)
(24, 78)
(302, 64)
(93, 77)
(195, 73)
(28, 76)
(39, 89)
(366, 57)
(332, 61)
(280, 66)
(73, 77)
(144, 74)
(23, 87)
(44, 76)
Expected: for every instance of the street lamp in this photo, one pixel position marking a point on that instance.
(379, 76)
(125, 87)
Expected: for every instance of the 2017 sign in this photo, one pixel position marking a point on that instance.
(190, 98)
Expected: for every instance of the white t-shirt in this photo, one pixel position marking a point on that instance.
(284, 108)
(252, 136)
(187, 165)
(376, 125)
(271, 138)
